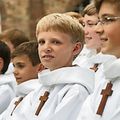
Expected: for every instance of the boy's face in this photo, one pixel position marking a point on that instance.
(56, 49)
(109, 29)
(92, 39)
(23, 69)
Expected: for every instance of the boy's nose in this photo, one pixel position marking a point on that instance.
(15, 71)
(48, 48)
(99, 28)
(86, 31)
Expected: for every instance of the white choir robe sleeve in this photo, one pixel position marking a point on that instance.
(71, 103)
(86, 113)
(6, 115)
(6, 95)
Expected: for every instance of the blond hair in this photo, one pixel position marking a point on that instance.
(61, 23)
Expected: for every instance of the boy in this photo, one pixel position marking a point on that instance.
(65, 87)
(6, 84)
(91, 56)
(92, 39)
(26, 67)
(26, 64)
(104, 103)
(13, 37)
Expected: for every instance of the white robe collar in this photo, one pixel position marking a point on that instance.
(87, 52)
(8, 79)
(101, 58)
(66, 75)
(10, 69)
(26, 87)
(112, 70)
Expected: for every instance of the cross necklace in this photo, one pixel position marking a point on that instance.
(43, 99)
(105, 94)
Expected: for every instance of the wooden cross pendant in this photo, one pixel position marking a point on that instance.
(43, 99)
(106, 93)
(95, 67)
(16, 104)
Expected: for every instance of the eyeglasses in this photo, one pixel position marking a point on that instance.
(108, 20)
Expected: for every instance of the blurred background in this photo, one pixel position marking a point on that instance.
(24, 14)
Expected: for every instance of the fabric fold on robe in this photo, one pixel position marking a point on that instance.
(112, 107)
(68, 88)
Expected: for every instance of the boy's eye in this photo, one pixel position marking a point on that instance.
(19, 65)
(89, 24)
(108, 19)
(56, 42)
(41, 42)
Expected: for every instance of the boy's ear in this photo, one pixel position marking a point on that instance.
(1, 64)
(41, 67)
(77, 48)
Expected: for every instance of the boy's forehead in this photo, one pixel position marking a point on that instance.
(107, 8)
(22, 57)
(116, 4)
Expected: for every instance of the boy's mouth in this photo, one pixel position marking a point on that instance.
(104, 39)
(47, 57)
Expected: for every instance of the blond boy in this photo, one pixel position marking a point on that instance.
(65, 87)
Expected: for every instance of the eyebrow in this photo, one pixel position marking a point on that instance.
(107, 14)
(40, 39)
(20, 63)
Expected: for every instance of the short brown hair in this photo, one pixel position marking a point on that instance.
(30, 49)
(15, 36)
(74, 14)
(90, 10)
(98, 3)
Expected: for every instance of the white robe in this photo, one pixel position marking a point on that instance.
(68, 88)
(112, 107)
(9, 73)
(26, 87)
(84, 56)
(10, 69)
(99, 59)
(21, 91)
(7, 91)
